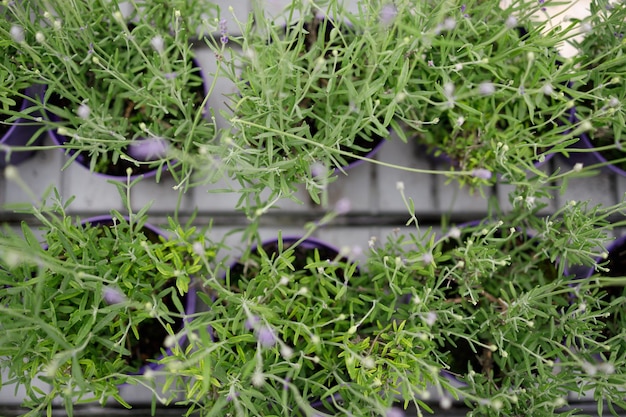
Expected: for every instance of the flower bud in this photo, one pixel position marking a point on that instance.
(17, 33)
(486, 88)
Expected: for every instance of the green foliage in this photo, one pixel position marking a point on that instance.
(112, 79)
(602, 62)
(99, 300)
(488, 313)
(486, 85)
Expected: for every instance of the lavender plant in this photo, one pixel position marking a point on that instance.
(315, 89)
(123, 90)
(86, 306)
(508, 322)
(293, 332)
(13, 83)
(498, 97)
(599, 107)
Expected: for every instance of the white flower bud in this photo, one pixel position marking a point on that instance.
(486, 88)
(169, 341)
(511, 22)
(455, 233)
(547, 89)
(258, 379)
(11, 173)
(445, 402)
(368, 362)
(343, 206)
(449, 23)
(17, 33)
(83, 111)
(198, 248)
(158, 44)
(496, 404)
(286, 352)
(427, 258)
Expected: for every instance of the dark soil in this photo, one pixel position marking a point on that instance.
(152, 335)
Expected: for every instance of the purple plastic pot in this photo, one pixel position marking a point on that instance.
(21, 133)
(142, 149)
(189, 299)
(593, 157)
(377, 141)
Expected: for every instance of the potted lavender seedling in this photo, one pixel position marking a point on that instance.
(599, 108)
(312, 90)
(123, 91)
(102, 302)
(488, 89)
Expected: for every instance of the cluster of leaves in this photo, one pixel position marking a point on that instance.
(602, 61)
(87, 305)
(298, 330)
(112, 78)
(486, 85)
(315, 87)
(293, 330)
